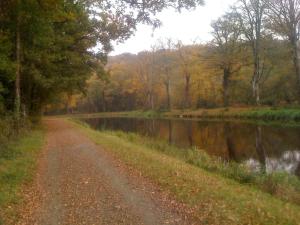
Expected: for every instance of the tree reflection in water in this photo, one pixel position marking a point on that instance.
(262, 148)
(229, 143)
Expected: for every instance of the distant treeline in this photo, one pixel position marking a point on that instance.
(253, 59)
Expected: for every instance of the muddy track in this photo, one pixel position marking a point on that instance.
(80, 183)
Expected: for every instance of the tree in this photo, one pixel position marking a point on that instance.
(226, 49)
(166, 63)
(185, 63)
(145, 68)
(285, 21)
(252, 13)
(18, 62)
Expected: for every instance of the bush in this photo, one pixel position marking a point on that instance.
(9, 129)
(6, 129)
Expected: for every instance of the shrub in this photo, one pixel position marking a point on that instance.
(8, 129)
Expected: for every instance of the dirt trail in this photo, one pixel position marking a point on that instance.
(79, 183)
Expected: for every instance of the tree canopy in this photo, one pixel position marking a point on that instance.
(53, 46)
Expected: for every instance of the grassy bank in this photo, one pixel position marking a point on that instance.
(281, 185)
(130, 114)
(17, 164)
(251, 113)
(201, 182)
(265, 113)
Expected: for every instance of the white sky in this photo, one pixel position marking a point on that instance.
(189, 26)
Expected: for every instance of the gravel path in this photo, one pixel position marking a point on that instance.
(80, 183)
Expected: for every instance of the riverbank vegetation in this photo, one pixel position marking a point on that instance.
(257, 113)
(219, 193)
(17, 165)
(269, 115)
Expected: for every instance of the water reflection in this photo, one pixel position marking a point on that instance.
(170, 132)
(289, 162)
(262, 148)
(229, 143)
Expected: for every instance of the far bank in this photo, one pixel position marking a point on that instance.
(271, 114)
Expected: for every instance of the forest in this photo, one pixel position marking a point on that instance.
(251, 60)
(54, 58)
(52, 47)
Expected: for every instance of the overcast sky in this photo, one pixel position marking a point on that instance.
(189, 26)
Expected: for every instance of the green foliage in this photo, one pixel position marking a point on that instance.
(62, 43)
(17, 160)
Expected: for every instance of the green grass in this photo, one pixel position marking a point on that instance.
(130, 114)
(257, 113)
(17, 165)
(271, 114)
(215, 198)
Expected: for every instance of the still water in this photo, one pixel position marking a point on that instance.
(269, 148)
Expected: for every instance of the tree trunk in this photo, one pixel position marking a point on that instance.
(152, 101)
(260, 150)
(257, 73)
(296, 64)
(170, 132)
(230, 145)
(187, 91)
(255, 81)
(18, 70)
(226, 75)
(167, 85)
(104, 101)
